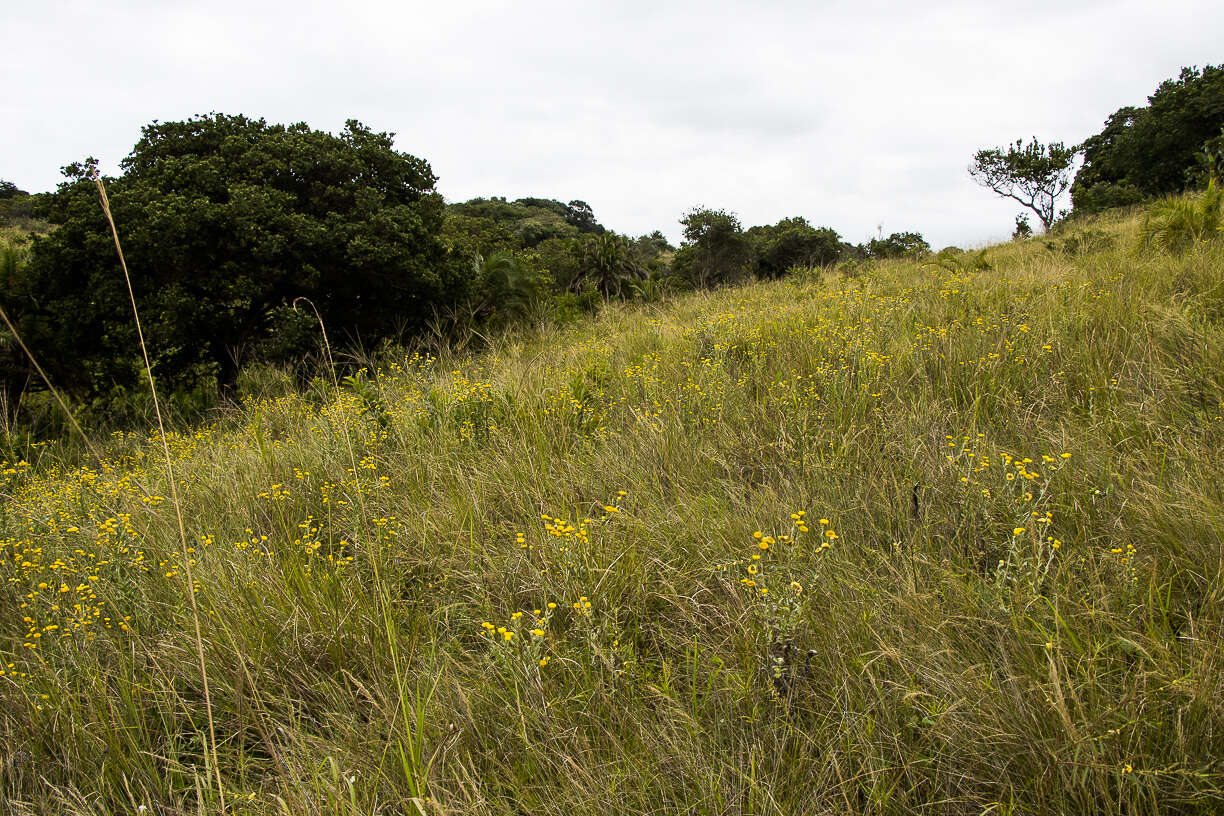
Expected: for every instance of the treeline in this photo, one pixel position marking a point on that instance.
(236, 231)
(1172, 145)
(16, 207)
(565, 248)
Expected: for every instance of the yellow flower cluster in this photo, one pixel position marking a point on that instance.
(521, 639)
(754, 565)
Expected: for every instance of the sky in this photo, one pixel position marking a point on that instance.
(861, 116)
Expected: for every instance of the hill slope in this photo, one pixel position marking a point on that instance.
(932, 538)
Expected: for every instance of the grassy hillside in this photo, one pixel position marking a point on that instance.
(932, 538)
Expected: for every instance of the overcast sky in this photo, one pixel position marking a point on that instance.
(852, 114)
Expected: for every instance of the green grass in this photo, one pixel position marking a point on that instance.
(941, 655)
(1177, 223)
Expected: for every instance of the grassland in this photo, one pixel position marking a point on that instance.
(921, 539)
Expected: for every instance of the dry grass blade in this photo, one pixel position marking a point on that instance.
(189, 581)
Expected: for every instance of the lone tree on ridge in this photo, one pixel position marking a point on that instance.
(1033, 174)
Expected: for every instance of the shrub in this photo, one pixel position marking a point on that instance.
(898, 245)
(1023, 228)
(1176, 224)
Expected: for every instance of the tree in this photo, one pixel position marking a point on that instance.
(561, 258)
(793, 242)
(476, 235)
(1033, 174)
(1143, 152)
(1209, 161)
(16, 207)
(609, 263)
(225, 221)
(898, 245)
(715, 249)
(1023, 228)
(653, 254)
(506, 287)
(580, 216)
(15, 370)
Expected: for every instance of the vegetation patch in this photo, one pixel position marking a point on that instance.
(940, 532)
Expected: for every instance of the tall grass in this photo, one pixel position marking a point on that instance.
(1018, 611)
(1176, 223)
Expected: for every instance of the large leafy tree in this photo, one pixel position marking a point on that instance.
(579, 215)
(225, 221)
(716, 250)
(898, 245)
(1154, 150)
(1033, 174)
(793, 242)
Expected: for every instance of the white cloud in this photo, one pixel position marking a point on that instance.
(850, 114)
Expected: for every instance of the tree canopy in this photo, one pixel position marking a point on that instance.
(793, 242)
(715, 250)
(1033, 174)
(1154, 150)
(898, 245)
(225, 221)
(16, 205)
(228, 222)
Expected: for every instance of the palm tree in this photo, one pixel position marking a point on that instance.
(609, 262)
(507, 288)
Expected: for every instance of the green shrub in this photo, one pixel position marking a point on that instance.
(1176, 224)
